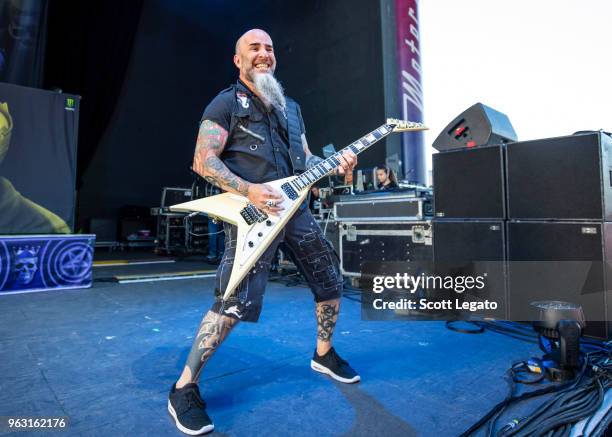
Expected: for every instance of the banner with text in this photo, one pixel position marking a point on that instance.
(410, 88)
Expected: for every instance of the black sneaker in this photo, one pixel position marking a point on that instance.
(331, 364)
(188, 410)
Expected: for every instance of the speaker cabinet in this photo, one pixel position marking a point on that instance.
(565, 261)
(469, 247)
(469, 183)
(479, 125)
(564, 178)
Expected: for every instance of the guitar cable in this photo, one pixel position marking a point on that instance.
(188, 217)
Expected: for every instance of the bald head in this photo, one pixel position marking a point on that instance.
(249, 35)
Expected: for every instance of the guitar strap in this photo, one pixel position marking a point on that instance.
(296, 149)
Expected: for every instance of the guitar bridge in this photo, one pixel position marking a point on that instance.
(289, 191)
(250, 214)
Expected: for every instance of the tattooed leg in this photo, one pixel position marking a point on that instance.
(327, 315)
(213, 329)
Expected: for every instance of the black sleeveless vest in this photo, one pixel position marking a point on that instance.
(245, 151)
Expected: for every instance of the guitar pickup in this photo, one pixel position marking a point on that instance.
(247, 216)
(289, 191)
(250, 214)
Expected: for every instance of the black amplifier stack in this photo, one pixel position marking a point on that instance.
(536, 209)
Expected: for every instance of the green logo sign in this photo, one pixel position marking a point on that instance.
(70, 102)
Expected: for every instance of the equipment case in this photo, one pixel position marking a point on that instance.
(364, 241)
(383, 207)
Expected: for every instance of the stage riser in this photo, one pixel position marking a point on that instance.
(45, 262)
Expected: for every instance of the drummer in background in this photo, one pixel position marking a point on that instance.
(386, 178)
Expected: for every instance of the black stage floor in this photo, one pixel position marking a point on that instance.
(106, 357)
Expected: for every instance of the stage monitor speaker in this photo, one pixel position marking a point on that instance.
(473, 248)
(561, 261)
(479, 125)
(469, 183)
(564, 178)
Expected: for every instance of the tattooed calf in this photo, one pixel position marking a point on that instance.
(327, 314)
(213, 329)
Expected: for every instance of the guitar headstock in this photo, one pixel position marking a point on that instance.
(405, 126)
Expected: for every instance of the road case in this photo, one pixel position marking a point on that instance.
(362, 242)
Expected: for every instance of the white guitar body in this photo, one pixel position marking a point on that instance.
(252, 239)
(256, 230)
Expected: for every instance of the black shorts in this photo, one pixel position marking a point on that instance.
(314, 257)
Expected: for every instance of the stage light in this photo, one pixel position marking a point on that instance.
(560, 326)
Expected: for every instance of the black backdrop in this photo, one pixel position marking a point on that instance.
(147, 69)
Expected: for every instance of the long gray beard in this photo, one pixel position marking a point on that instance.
(271, 90)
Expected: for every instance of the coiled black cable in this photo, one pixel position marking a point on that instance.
(571, 402)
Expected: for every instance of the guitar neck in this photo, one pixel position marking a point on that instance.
(322, 169)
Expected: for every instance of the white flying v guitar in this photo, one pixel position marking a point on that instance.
(256, 229)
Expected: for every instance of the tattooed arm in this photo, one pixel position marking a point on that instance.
(206, 162)
(311, 160)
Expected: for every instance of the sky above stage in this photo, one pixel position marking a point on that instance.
(547, 64)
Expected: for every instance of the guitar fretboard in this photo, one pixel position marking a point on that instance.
(322, 169)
